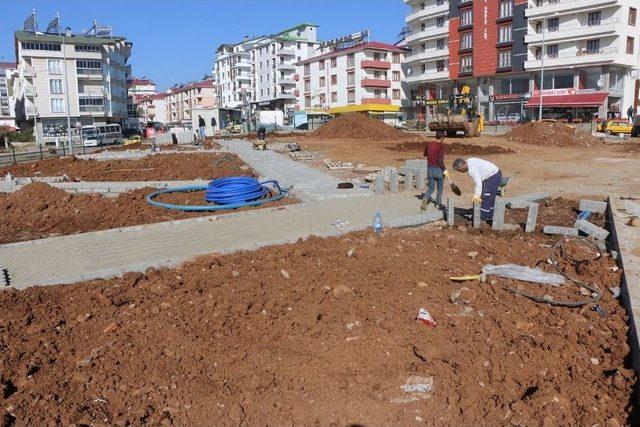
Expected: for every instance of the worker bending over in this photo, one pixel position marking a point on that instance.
(487, 178)
(434, 151)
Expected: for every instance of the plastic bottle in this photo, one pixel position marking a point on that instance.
(377, 223)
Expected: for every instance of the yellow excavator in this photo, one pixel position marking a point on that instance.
(460, 116)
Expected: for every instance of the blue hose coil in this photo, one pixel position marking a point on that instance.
(227, 193)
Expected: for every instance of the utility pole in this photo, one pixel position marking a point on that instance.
(66, 90)
(542, 70)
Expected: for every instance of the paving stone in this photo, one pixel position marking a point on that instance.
(594, 206)
(564, 231)
(393, 181)
(498, 215)
(408, 180)
(450, 211)
(379, 184)
(591, 229)
(532, 217)
(476, 215)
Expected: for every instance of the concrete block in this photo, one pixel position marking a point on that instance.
(521, 202)
(393, 181)
(450, 211)
(476, 215)
(415, 220)
(564, 231)
(593, 206)
(185, 137)
(164, 138)
(532, 217)
(416, 164)
(421, 179)
(591, 229)
(408, 180)
(498, 215)
(379, 184)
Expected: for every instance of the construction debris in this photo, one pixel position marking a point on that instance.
(333, 165)
(591, 229)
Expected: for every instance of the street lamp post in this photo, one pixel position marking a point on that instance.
(542, 71)
(66, 91)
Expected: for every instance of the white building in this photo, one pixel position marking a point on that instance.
(94, 75)
(364, 77)
(151, 107)
(427, 62)
(136, 87)
(590, 50)
(261, 70)
(7, 101)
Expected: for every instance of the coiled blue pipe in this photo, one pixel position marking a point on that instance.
(227, 193)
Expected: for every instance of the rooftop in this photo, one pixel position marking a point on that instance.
(73, 39)
(356, 48)
(8, 66)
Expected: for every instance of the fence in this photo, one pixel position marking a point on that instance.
(9, 156)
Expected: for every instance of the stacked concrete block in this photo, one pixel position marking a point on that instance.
(393, 181)
(593, 206)
(591, 230)
(498, 215)
(532, 217)
(408, 180)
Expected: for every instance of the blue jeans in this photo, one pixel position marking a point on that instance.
(434, 177)
(489, 192)
(201, 132)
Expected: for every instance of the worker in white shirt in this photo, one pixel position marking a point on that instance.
(487, 178)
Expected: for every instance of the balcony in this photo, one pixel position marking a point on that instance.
(242, 76)
(291, 82)
(428, 77)
(427, 55)
(606, 26)
(565, 7)
(375, 83)
(382, 101)
(427, 34)
(286, 52)
(286, 67)
(285, 95)
(428, 12)
(91, 109)
(26, 70)
(89, 73)
(603, 56)
(378, 65)
(241, 64)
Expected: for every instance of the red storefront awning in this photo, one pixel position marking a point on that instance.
(573, 100)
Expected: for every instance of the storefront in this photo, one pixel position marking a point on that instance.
(568, 105)
(509, 107)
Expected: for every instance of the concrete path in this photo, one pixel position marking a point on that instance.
(107, 188)
(308, 183)
(109, 253)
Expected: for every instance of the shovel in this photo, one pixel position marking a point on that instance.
(454, 188)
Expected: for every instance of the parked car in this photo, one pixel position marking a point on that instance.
(514, 118)
(615, 127)
(501, 118)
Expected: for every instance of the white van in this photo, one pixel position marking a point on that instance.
(93, 136)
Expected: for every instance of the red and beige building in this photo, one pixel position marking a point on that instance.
(182, 99)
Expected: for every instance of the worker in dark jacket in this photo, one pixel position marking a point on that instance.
(434, 151)
(201, 127)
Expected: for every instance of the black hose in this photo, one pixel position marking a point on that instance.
(593, 289)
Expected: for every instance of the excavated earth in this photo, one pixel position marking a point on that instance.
(322, 332)
(159, 167)
(39, 210)
(551, 133)
(452, 148)
(359, 126)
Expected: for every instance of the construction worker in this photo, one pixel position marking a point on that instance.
(487, 178)
(434, 151)
(201, 127)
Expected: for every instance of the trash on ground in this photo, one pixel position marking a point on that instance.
(526, 274)
(425, 317)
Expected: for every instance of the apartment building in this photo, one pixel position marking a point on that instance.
(151, 107)
(364, 77)
(590, 50)
(181, 100)
(92, 69)
(7, 101)
(259, 72)
(136, 87)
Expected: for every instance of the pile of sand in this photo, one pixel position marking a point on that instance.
(551, 133)
(358, 126)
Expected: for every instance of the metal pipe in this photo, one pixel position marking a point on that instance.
(542, 70)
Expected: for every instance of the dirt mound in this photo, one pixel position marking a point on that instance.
(358, 126)
(39, 210)
(322, 332)
(454, 148)
(159, 167)
(551, 133)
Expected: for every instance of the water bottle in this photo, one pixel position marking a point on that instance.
(377, 223)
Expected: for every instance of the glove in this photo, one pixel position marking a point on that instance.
(477, 199)
(446, 173)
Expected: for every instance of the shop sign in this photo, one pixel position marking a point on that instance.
(555, 92)
(510, 97)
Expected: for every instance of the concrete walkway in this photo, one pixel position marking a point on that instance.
(309, 184)
(107, 188)
(109, 253)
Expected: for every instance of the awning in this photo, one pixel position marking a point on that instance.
(365, 107)
(573, 100)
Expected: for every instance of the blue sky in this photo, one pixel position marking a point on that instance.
(175, 40)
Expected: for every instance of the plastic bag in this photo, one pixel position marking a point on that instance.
(526, 274)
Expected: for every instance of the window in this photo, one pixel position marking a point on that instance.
(334, 96)
(57, 105)
(538, 53)
(307, 69)
(396, 94)
(504, 59)
(86, 48)
(552, 51)
(395, 76)
(466, 64)
(307, 101)
(440, 65)
(553, 24)
(466, 40)
(54, 66)
(41, 46)
(439, 44)
(323, 99)
(440, 22)
(334, 79)
(322, 81)
(593, 46)
(90, 101)
(351, 79)
(377, 56)
(466, 18)
(307, 85)
(351, 96)
(630, 43)
(334, 62)
(55, 86)
(632, 15)
(96, 65)
(506, 8)
(504, 34)
(594, 18)
(351, 60)
(322, 65)
(396, 58)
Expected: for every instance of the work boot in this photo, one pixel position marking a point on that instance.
(425, 204)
